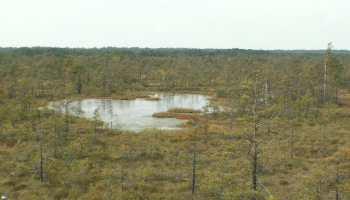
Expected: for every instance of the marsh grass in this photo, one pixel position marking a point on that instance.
(164, 115)
(156, 164)
(183, 110)
(149, 98)
(178, 113)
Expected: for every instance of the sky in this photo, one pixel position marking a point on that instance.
(220, 24)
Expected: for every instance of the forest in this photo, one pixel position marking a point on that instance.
(278, 125)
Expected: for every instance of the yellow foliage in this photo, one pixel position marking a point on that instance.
(273, 198)
(325, 117)
(245, 97)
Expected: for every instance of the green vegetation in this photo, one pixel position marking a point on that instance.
(183, 110)
(282, 131)
(178, 113)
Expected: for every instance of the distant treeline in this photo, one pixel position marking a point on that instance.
(303, 51)
(159, 52)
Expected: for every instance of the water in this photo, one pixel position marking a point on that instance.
(136, 114)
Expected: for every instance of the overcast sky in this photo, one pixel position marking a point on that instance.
(245, 24)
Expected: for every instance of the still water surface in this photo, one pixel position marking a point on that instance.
(135, 114)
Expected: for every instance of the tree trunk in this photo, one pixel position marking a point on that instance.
(193, 174)
(103, 83)
(41, 160)
(336, 186)
(95, 131)
(122, 180)
(292, 143)
(324, 81)
(266, 91)
(66, 117)
(255, 158)
(79, 86)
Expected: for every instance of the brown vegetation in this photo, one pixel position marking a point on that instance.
(282, 134)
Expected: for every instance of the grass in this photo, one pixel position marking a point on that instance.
(183, 110)
(157, 164)
(164, 115)
(149, 98)
(156, 157)
(178, 113)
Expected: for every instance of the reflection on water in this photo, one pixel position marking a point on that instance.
(135, 114)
